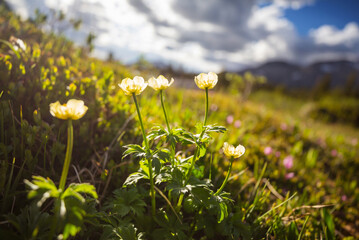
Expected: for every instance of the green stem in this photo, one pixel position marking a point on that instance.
(152, 189)
(206, 113)
(164, 111)
(65, 169)
(140, 118)
(226, 179)
(168, 127)
(194, 159)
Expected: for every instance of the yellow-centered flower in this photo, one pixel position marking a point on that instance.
(159, 83)
(73, 109)
(133, 86)
(231, 151)
(204, 80)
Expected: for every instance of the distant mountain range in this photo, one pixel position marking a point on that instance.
(295, 76)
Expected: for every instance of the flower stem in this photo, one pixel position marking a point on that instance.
(206, 113)
(140, 118)
(226, 179)
(65, 169)
(164, 111)
(194, 159)
(152, 189)
(168, 128)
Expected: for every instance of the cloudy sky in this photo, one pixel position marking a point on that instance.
(213, 35)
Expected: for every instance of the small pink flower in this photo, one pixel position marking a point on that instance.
(283, 126)
(277, 154)
(354, 141)
(344, 198)
(268, 151)
(288, 162)
(230, 119)
(237, 123)
(289, 175)
(334, 153)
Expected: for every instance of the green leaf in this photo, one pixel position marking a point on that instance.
(134, 149)
(202, 150)
(69, 192)
(223, 212)
(134, 178)
(70, 230)
(84, 188)
(126, 201)
(217, 129)
(329, 224)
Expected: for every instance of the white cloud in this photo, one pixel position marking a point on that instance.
(331, 36)
(201, 37)
(295, 4)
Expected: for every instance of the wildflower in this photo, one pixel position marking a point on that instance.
(231, 151)
(268, 151)
(334, 153)
(238, 123)
(288, 162)
(277, 154)
(283, 126)
(159, 83)
(344, 198)
(73, 109)
(289, 175)
(133, 86)
(230, 119)
(206, 81)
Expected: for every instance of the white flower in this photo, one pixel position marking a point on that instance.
(231, 151)
(204, 80)
(73, 109)
(159, 83)
(133, 86)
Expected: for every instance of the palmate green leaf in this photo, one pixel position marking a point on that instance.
(44, 183)
(156, 133)
(125, 202)
(69, 192)
(85, 188)
(171, 227)
(214, 128)
(163, 154)
(162, 177)
(127, 233)
(31, 223)
(134, 149)
(134, 178)
(42, 188)
(184, 137)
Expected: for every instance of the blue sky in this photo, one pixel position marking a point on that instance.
(323, 12)
(217, 35)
